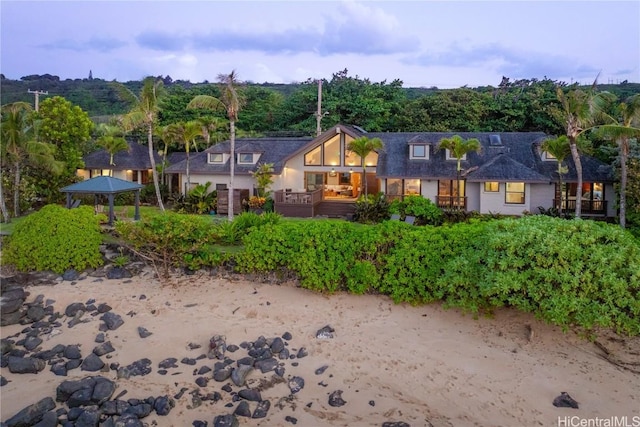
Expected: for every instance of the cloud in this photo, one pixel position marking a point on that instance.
(98, 44)
(161, 41)
(354, 28)
(510, 62)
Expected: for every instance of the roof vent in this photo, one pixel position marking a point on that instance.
(495, 141)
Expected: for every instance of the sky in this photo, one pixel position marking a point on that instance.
(444, 44)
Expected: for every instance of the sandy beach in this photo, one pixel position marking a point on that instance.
(393, 363)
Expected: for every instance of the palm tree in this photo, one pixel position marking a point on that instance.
(623, 128)
(144, 114)
(112, 141)
(558, 148)
(579, 111)
(363, 146)
(231, 101)
(459, 147)
(185, 134)
(20, 147)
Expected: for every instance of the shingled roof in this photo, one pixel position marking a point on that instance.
(507, 156)
(272, 150)
(136, 158)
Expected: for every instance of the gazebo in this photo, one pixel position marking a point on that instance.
(104, 185)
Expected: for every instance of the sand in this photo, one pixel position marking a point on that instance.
(421, 365)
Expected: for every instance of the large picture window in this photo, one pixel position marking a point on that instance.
(332, 152)
(514, 193)
(314, 157)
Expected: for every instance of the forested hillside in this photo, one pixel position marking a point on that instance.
(521, 105)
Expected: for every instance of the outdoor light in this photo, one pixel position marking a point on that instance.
(350, 170)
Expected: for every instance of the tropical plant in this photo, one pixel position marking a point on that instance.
(623, 127)
(185, 134)
(112, 141)
(579, 111)
(459, 147)
(144, 114)
(559, 149)
(20, 147)
(264, 178)
(363, 146)
(231, 100)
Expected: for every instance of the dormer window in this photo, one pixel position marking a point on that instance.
(450, 156)
(419, 151)
(245, 158)
(216, 158)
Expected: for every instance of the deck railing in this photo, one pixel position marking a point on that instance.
(451, 202)
(589, 207)
(297, 197)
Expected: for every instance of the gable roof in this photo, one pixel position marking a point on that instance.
(272, 150)
(136, 158)
(102, 185)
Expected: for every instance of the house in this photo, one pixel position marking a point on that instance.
(130, 165)
(318, 176)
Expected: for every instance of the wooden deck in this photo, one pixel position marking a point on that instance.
(312, 204)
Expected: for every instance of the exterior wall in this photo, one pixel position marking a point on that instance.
(429, 189)
(473, 194)
(535, 195)
(541, 195)
(610, 197)
(239, 181)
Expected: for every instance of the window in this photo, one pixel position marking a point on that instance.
(514, 193)
(450, 156)
(412, 186)
(215, 158)
(352, 159)
(245, 158)
(419, 152)
(394, 187)
(332, 152)
(314, 157)
(491, 187)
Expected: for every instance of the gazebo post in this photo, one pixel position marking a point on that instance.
(68, 200)
(111, 197)
(136, 215)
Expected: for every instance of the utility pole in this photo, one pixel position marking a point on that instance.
(37, 94)
(319, 115)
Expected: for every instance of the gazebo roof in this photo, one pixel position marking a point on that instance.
(102, 185)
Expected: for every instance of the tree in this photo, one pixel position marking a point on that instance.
(579, 111)
(459, 147)
(623, 127)
(363, 146)
(185, 134)
(264, 178)
(558, 148)
(231, 100)
(144, 114)
(112, 141)
(19, 147)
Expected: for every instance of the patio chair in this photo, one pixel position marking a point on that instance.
(395, 217)
(410, 219)
(75, 203)
(99, 209)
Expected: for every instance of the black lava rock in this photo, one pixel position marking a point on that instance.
(92, 363)
(565, 401)
(243, 410)
(228, 420)
(335, 399)
(262, 409)
(112, 321)
(296, 384)
(25, 365)
(74, 308)
(163, 405)
(143, 332)
(32, 414)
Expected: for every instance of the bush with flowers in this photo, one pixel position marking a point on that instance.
(256, 202)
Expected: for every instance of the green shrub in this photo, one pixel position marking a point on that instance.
(168, 239)
(427, 212)
(372, 209)
(56, 239)
(576, 272)
(199, 200)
